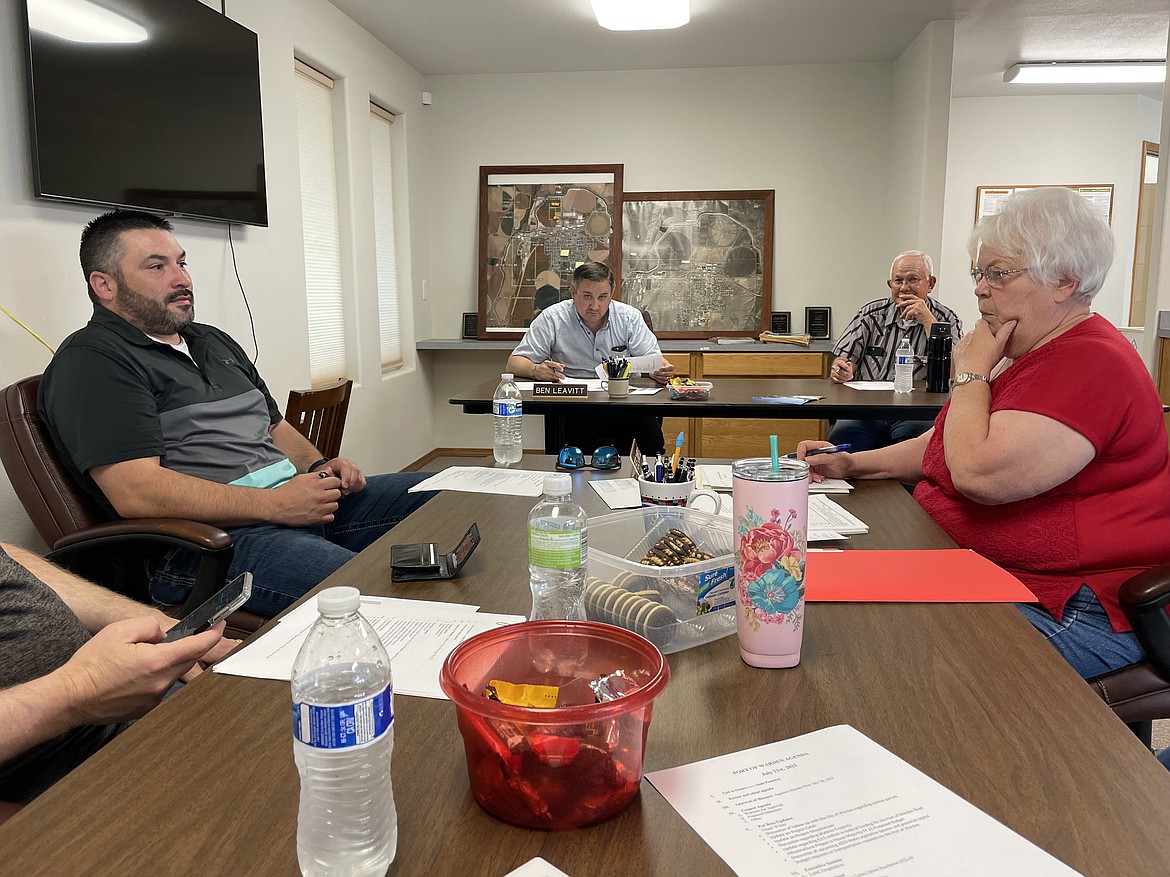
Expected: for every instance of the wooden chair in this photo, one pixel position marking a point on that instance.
(319, 415)
(82, 536)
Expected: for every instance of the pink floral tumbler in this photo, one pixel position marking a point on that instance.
(771, 525)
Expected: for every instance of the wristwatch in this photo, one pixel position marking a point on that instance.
(968, 377)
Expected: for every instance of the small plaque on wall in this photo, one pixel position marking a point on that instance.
(782, 322)
(818, 322)
(470, 325)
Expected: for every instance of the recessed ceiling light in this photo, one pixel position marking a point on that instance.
(1083, 72)
(641, 14)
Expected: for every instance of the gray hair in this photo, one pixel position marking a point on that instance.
(1054, 233)
(918, 254)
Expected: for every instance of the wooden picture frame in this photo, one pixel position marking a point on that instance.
(537, 223)
(699, 262)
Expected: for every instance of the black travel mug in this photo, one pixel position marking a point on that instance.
(938, 358)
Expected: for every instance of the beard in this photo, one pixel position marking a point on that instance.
(152, 317)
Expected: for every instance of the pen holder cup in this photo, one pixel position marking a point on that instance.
(618, 388)
(682, 493)
(564, 767)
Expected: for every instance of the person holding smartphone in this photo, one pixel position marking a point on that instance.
(77, 664)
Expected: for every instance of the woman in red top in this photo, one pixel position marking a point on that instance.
(1050, 458)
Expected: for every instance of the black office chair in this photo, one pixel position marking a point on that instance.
(1139, 694)
(82, 537)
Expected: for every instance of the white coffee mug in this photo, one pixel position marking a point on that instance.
(618, 388)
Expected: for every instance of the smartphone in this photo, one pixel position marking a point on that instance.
(423, 560)
(228, 599)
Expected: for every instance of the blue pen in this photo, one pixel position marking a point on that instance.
(658, 470)
(832, 449)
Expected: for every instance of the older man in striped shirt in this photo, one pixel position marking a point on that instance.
(865, 350)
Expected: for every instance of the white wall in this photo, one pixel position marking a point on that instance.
(38, 241)
(918, 154)
(1017, 141)
(817, 134)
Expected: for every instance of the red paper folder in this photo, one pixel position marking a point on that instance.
(950, 576)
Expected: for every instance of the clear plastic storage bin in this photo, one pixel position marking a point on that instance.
(675, 607)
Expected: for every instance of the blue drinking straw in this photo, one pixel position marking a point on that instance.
(775, 454)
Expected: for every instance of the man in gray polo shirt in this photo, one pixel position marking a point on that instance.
(158, 416)
(572, 337)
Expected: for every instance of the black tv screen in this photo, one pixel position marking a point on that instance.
(169, 123)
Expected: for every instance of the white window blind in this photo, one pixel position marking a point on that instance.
(327, 359)
(384, 244)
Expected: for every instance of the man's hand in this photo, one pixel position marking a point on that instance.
(841, 371)
(306, 500)
(212, 656)
(352, 479)
(549, 370)
(664, 374)
(911, 307)
(126, 669)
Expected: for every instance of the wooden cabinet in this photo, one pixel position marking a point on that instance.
(734, 437)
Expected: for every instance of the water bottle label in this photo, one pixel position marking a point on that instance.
(509, 408)
(557, 549)
(345, 726)
(905, 360)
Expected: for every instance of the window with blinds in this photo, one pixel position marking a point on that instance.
(384, 245)
(327, 348)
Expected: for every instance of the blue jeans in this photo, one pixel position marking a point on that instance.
(1084, 636)
(865, 435)
(286, 562)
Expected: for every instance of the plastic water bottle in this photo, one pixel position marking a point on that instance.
(904, 362)
(507, 410)
(558, 552)
(343, 735)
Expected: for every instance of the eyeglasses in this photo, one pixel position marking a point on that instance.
(995, 277)
(903, 281)
(603, 458)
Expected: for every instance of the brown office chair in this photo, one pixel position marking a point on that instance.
(1141, 693)
(319, 415)
(81, 536)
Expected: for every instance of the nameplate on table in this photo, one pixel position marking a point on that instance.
(561, 391)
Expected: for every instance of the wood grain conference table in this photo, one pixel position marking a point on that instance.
(730, 397)
(970, 694)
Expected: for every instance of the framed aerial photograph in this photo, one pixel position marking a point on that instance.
(700, 263)
(537, 223)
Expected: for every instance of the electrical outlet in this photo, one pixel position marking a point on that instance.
(424, 290)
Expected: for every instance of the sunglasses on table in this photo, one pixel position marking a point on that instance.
(605, 457)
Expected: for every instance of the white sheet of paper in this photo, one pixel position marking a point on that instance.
(824, 514)
(618, 493)
(484, 479)
(644, 391)
(643, 365)
(418, 635)
(537, 867)
(835, 802)
(870, 385)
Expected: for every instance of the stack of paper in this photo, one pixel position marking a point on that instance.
(484, 479)
(718, 477)
(418, 634)
(826, 515)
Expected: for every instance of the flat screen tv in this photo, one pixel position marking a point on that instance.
(163, 116)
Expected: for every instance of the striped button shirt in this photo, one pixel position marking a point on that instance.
(871, 339)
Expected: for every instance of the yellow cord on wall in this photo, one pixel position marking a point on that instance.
(27, 329)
